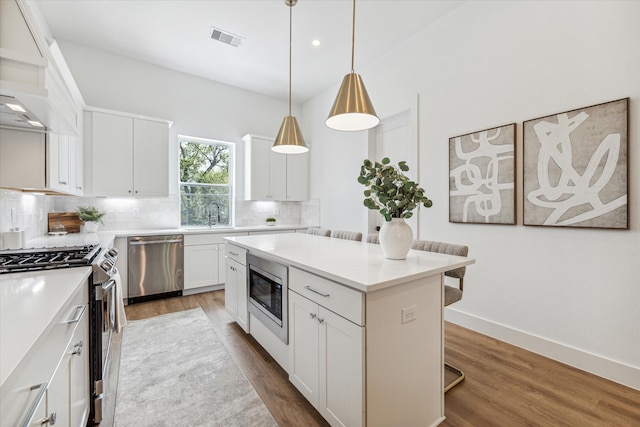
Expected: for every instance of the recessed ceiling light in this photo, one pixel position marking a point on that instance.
(35, 124)
(315, 42)
(16, 107)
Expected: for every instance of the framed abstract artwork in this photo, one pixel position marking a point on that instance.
(482, 176)
(575, 168)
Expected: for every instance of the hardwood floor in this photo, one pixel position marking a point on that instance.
(504, 385)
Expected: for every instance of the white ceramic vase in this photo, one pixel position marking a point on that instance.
(90, 226)
(395, 238)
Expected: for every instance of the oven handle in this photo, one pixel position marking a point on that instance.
(32, 409)
(154, 242)
(104, 288)
(79, 313)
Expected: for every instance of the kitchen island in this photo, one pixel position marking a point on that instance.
(365, 332)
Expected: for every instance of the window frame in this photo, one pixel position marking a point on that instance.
(231, 174)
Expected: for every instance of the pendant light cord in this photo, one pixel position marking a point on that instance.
(353, 35)
(290, 37)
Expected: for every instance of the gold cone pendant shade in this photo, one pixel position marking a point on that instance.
(352, 109)
(289, 139)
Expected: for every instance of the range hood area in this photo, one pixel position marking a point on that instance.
(33, 76)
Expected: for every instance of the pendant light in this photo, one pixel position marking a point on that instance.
(289, 139)
(352, 109)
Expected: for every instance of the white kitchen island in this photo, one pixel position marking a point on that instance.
(365, 332)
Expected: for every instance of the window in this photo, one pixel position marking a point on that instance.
(205, 182)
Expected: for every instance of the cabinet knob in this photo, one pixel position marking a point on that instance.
(51, 419)
(78, 348)
(129, 191)
(63, 182)
(312, 315)
(320, 320)
(136, 191)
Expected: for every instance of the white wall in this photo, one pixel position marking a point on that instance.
(571, 294)
(197, 107)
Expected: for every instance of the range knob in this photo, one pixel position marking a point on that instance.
(113, 252)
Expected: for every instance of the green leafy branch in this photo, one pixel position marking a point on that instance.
(389, 190)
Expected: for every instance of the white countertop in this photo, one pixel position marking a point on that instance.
(28, 304)
(358, 265)
(105, 238)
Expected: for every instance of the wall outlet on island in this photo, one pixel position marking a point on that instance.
(408, 314)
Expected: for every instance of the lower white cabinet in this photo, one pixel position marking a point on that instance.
(326, 361)
(204, 260)
(236, 291)
(50, 385)
(201, 266)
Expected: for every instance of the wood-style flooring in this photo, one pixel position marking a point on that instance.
(504, 385)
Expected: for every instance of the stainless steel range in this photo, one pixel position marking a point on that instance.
(101, 295)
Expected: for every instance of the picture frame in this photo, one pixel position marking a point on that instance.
(482, 171)
(576, 168)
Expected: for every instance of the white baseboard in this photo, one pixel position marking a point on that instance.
(610, 369)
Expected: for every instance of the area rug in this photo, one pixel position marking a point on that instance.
(175, 371)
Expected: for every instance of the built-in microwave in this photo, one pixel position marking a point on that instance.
(268, 294)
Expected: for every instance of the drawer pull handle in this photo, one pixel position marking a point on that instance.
(79, 313)
(51, 419)
(42, 388)
(233, 253)
(78, 349)
(309, 288)
(312, 315)
(320, 320)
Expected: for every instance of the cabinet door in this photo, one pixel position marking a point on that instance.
(79, 374)
(297, 177)
(200, 266)
(256, 168)
(58, 165)
(303, 346)
(76, 165)
(341, 370)
(58, 391)
(242, 288)
(112, 160)
(231, 288)
(277, 175)
(150, 158)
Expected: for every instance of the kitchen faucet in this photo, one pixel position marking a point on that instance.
(218, 213)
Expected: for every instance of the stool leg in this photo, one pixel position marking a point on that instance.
(456, 371)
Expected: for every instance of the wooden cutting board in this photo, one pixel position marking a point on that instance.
(69, 220)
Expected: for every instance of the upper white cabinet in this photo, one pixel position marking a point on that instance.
(274, 176)
(129, 155)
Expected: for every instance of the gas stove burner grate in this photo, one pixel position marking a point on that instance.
(14, 261)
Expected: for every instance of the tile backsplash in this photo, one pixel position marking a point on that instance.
(28, 211)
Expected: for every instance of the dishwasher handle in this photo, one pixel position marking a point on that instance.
(154, 242)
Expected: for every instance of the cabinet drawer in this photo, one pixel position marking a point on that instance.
(338, 298)
(236, 253)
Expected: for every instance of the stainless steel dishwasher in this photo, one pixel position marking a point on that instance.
(156, 266)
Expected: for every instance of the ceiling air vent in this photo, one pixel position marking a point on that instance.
(226, 37)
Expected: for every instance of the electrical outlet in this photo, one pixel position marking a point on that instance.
(408, 314)
(136, 212)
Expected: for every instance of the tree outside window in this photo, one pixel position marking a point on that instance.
(205, 182)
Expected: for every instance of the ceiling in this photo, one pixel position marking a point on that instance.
(176, 35)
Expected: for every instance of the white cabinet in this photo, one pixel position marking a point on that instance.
(204, 261)
(236, 291)
(138, 149)
(326, 351)
(53, 377)
(201, 266)
(274, 176)
(65, 164)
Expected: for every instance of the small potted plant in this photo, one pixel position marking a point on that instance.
(91, 217)
(395, 196)
(270, 221)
